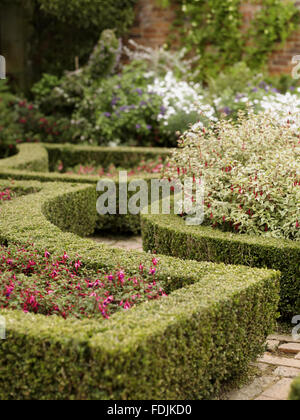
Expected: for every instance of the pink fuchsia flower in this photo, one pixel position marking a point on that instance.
(47, 254)
(152, 271)
(78, 264)
(141, 267)
(121, 276)
(127, 306)
(155, 261)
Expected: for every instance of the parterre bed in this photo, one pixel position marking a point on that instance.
(213, 323)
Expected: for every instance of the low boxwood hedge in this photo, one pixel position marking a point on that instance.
(30, 157)
(124, 157)
(295, 390)
(43, 157)
(169, 235)
(72, 155)
(212, 324)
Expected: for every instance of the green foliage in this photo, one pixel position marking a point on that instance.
(64, 30)
(104, 14)
(295, 390)
(233, 80)
(105, 107)
(44, 87)
(76, 24)
(120, 111)
(273, 24)
(9, 130)
(61, 96)
(213, 29)
(105, 57)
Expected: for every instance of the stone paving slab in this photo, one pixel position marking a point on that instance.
(120, 241)
(283, 338)
(276, 370)
(292, 348)
(255, 388)
(279, 361)
(280, 390)
(287, 372)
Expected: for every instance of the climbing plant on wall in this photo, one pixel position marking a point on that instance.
(214, 30)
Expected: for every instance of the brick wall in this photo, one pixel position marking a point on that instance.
(280, 61)
(153, 25)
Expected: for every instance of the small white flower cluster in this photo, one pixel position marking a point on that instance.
(285, 109)
(180, 97)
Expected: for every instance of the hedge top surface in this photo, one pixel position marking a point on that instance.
(176, 223)
(56, 177)
(98, 149)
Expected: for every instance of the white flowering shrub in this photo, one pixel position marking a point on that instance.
(284, 108)
(183, 104)
(251, 170)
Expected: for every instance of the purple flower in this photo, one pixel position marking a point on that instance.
(163, 110)
(239, 96)
(115, 100)
(143, 103)
(226, 110)
(139, 91)
(292, 88)
(138, 126)
(149, 127)
(255, 89)
(123, 108)
(263, 85)
(107, 114)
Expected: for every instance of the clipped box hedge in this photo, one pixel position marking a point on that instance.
(213, 323)
(72, 155)
(29, 157)
(43, 157)
(295, 390)
(169, 235)
(124, 157)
